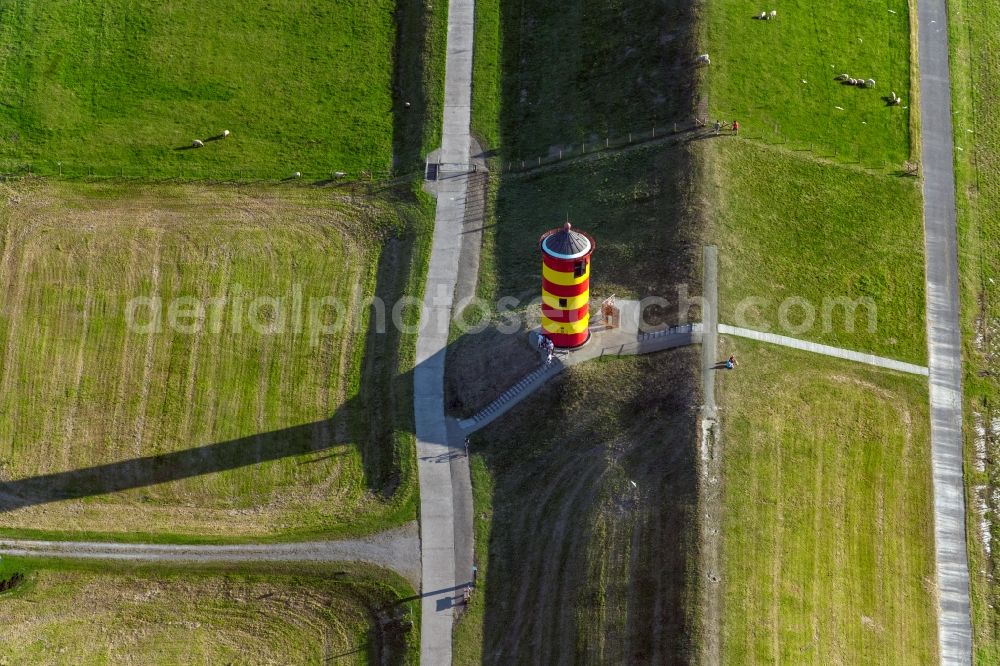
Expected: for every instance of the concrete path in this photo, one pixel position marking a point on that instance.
(397, 549)
(943, 335)
(440, 535)
(825, 350)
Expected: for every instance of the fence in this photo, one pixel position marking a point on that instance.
(16, 170)
(753, 129)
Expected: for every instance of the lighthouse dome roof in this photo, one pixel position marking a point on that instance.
(566, 244)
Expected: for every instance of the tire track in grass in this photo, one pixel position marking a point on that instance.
(114, 429)
(557, 593)
(528, 521)
(776, 562)
(69, 423)
(817, 569)
(149, 361)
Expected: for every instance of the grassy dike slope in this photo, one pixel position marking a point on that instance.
(576, 562)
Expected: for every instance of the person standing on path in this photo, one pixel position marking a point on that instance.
(718, 126)
(736, 127)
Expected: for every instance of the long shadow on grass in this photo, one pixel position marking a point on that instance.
(373, 421)
(594, 526)
(416, 65)
(579, 71)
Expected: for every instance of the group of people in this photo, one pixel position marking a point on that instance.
(547, 348)
(719, 126)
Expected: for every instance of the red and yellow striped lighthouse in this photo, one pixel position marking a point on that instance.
(566, 286)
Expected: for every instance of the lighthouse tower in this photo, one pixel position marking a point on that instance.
(566, 286)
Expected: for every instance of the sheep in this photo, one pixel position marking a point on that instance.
(842, 77)
(339, 174)
(703, 59)
(297, 174)
(225, 133)
(197, 143)
(774, 13)
(852, 82)
(870, 83)
(861, 83)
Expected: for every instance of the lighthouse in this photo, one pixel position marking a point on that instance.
(566, 286)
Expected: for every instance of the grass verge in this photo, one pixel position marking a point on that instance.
(974, 59)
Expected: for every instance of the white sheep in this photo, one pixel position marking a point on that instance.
(225, 133)
(870, 83)
(774, 13)
(297, 174)
(703, 58)
(197, 143)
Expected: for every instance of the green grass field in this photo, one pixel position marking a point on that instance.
(797, 235)
(777, 76)
(827, 535)
(75, 613)
(974, 40)
(117, 88)
(267, 413)
(818, 211)
(585, 501)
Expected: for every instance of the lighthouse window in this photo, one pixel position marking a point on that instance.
(562, 302)
(580, 269)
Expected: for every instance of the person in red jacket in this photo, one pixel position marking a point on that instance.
(736, 127)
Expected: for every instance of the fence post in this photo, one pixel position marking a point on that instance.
(630, 137)
(654, 131)
(606, 139)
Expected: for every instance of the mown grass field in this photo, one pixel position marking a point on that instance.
(252, 409)
(74, 613)
(819, 210)
(828, 519)
(116, 88)
(975, 92)
(585, 504)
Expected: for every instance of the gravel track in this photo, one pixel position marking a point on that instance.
(397, 549)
